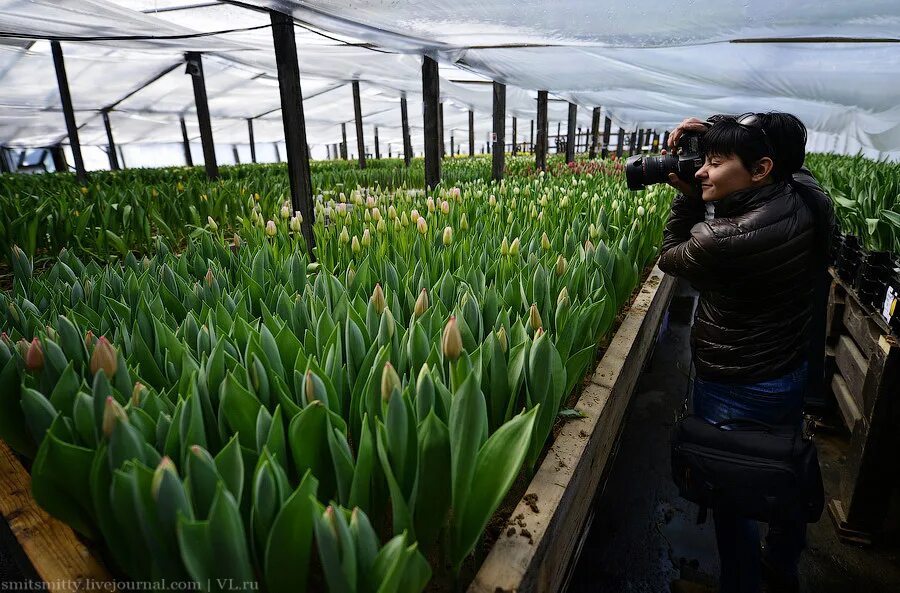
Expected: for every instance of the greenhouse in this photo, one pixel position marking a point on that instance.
(495, 297)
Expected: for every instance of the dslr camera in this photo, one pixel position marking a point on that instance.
(684, 161)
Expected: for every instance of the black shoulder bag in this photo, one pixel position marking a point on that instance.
(766, 472)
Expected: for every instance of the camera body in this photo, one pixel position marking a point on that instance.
(686, 160)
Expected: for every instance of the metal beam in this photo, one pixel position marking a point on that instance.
(294, 124)
(68, 111)
(110, 143)
(195, 69)
(431, 96)
(540, 150)
(252, 139)
(186, 143)
(499, 148)
(471, 133)
(357, 116)
(407, 141)
(570, 133)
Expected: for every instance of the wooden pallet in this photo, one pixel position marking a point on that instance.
(558, 500)
(865, 363)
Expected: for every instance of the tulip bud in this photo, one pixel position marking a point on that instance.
(136, 393)
(545, 242)
(376, 214)
(563, 298)
(414, 216)
(452, 340)
(113, 413)
(236, 241)
(514, 248)
(392, 212)
(211, 224)
(560, 266)
(285, 211)
(448, 235)
(504, 247)
(534, 317)
(503, 339)
(592, 231)
(295, 224)
(464, 222)
(404, 220)
(421, 304)
(34, 356)
(89, 340)
(370, 202)
(445, 207)
(104, 357)
(492, 200)
(5, 339)
(640, 211)
(270, 228)
(209, 277)
(381, 226)
(344, 237)
(615, 205)
(378, 299)
(366, 216)
(366, 238)
(310, 388)
(430, 204)
(390, 380)
(588, 247)
(351, 275)
(422, 226)
(165, 465)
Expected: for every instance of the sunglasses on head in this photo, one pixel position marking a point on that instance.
(751, 121)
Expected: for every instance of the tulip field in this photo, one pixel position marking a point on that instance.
(204, 400)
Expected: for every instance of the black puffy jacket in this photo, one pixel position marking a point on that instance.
(760, 267)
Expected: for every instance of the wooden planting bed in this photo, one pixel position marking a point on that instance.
(863, 362)
(548, 519)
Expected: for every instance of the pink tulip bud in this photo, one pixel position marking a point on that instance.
(34, 357)
(104, 357)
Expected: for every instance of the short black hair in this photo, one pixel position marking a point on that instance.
(784, 141)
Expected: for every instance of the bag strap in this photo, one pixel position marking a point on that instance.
(751, 421)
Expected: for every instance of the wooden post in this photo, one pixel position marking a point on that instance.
(252, 140)
(122, 163)
(277, 152)
(654, 147)
(471, 133)
(499, 148)
(294, 124)
(531, 138)
(452, 144)
(578, 139)
(633, 143)
(65, 97)
(640, 142)
(441, 129)
(357, 116)
(234, 152)
(110, 143)
(558, 135)
(188, 158)
(607, 128)
(665, 140)
(570, 135)
(377, 146)
(540, 150)
(195, 69)
(344, 153)
(620, 143)
(407, 141)
(515, 148)
(595, 132)
(431, 93)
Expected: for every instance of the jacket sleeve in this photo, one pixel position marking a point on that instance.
(688, 248)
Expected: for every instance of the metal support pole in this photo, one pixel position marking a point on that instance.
(607, 128)
(277, 152)
(188, 158)
(357, 116)
(122, 163)
(515, 148)
(471, 133)
(620, 143)
(110, 143)
(441, 129)
(595, 132)
(377, 146)
(294, 124)
(431, 93)
(499, 148)
(344, 154)
(195, 69)
(68, 111)
(407, 141)
(570, 133)
(234, 152)
(252, 140)
(540, 150)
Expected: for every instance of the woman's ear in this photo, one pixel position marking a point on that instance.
(762, 169)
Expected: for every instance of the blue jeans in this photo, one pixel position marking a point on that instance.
(776, 401)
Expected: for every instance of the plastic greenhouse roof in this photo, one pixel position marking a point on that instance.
(648, 63)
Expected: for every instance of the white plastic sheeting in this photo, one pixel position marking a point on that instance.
(649, 63)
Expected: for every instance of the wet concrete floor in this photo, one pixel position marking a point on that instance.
(644, 536)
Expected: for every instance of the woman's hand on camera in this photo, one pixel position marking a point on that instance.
(691, 124)
(688, 189)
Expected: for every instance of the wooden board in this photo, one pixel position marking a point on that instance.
(557, 501)
(63, 562)
(846, 402)
(853, 367)
(858, 324)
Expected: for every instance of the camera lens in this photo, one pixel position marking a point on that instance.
(641, 171)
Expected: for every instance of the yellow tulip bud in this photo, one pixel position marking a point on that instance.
(390, 380)
(514, 248)
(344, 237)
(448, 235)
(534, 317)
(560, 266)
(366, 238)
(563, 298)
(545, 242)
(421, 304)
(270, 229)
(503, 339)
(464, 222)
(451, 342)
(504, 247)
(378, 299)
